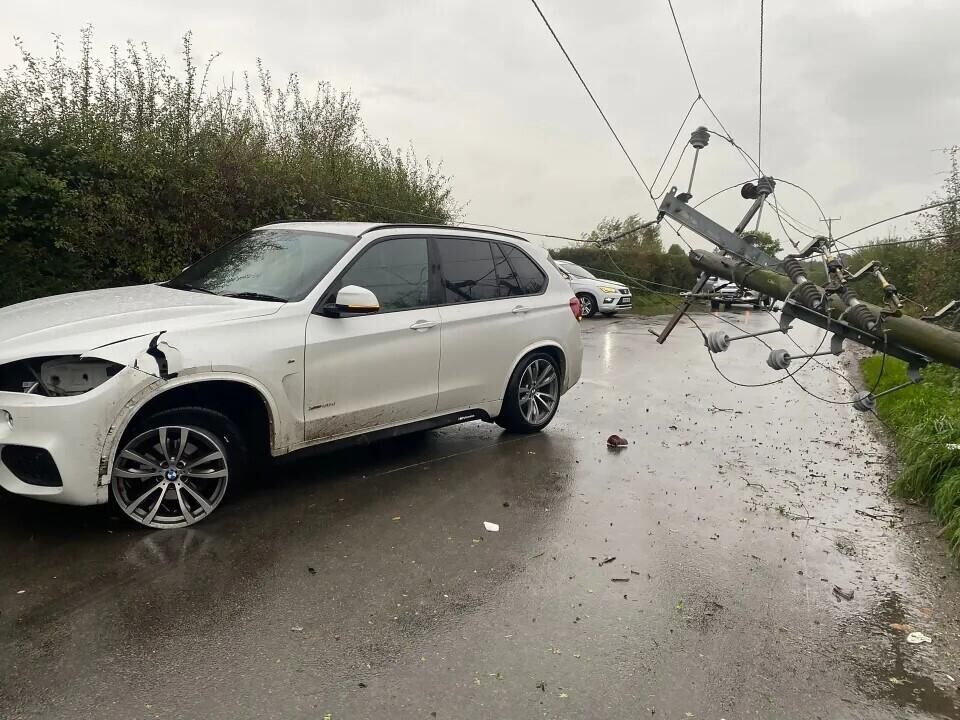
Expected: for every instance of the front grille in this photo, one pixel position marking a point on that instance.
(624, 291)
(34, 466)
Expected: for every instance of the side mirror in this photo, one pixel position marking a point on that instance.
(352, 300)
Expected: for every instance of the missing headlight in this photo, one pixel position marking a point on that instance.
(56, 376)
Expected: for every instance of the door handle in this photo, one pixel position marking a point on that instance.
(520, 310)
(423, 325)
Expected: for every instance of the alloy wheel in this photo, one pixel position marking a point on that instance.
(539, 391)
(171, 476)
(586, 305)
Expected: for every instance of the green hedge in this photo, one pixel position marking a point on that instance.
(671, 271)
(123, 171)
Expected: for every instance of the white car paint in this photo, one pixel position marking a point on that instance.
(609, 296)
(321, 378)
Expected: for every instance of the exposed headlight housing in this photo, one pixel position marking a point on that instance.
(56, 376)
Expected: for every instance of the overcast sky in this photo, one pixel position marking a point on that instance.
(858, 94)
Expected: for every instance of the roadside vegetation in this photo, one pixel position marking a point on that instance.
(122, 170)
(925, 423)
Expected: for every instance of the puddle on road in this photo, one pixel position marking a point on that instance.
(882, 657)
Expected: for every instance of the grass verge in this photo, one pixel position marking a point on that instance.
(925, 423)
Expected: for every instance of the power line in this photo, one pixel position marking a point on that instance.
(590, 93)
(675, 138)
(684, 46)
(760, 100)
(670, 179)
(890, 243)
(903, 214)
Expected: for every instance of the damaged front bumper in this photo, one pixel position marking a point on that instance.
(51, 447)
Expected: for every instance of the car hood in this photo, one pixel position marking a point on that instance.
(611, 283)
(78, 322)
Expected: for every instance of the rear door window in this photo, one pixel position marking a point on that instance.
(467, 270)
(530, 278)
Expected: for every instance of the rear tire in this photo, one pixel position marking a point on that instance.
(173, 468)
(588, 306)
(533, 395)
(714, 305)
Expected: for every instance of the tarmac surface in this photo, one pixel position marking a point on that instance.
(690, 574)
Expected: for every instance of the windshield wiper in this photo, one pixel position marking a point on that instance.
(256, 296)
(191, 288)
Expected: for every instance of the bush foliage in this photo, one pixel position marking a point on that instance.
(124, 171)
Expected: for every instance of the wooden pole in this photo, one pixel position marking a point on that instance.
(932, 341)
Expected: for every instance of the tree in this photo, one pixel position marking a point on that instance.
(629, 234)
(766, 242)
(675, 249)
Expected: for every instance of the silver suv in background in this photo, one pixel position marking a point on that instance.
(596, 294)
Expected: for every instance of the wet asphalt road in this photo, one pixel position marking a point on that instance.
(363, 584)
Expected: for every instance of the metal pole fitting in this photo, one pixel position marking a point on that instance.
(718, 341)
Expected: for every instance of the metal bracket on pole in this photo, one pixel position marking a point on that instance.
(792, 309)
(866, 401)
(676, 209)
(942, 312)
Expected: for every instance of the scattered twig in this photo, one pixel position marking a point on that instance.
(715, 409)
(879, 516)
(756, 485)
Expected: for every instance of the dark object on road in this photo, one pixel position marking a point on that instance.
(619, 579)
(312, 571)
(615, 441)
(542, 686)
(608, 559)
(841, 593)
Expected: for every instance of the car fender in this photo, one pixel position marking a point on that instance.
(157, 388)
(526, 351)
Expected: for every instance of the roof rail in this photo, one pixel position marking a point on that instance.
(387, 226)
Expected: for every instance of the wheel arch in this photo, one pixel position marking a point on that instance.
(552, 348)
(241, 398)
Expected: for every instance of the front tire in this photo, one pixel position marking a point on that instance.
(588, 306)
(173, 469)
(533, 395)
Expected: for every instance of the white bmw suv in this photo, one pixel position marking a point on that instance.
(596, 295)
(293, 335)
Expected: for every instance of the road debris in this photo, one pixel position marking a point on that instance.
(296, 628)
(491, 527)
(619, 579)
(608, 559)
(842, 594)
(616, 441)
(915, 638)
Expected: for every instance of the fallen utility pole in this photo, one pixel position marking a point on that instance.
(901, 336)
(835, 307)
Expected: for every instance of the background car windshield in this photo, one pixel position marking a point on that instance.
(578, 271)
(279, 262)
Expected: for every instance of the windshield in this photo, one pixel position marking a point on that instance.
(577, 271)
(277, 264)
